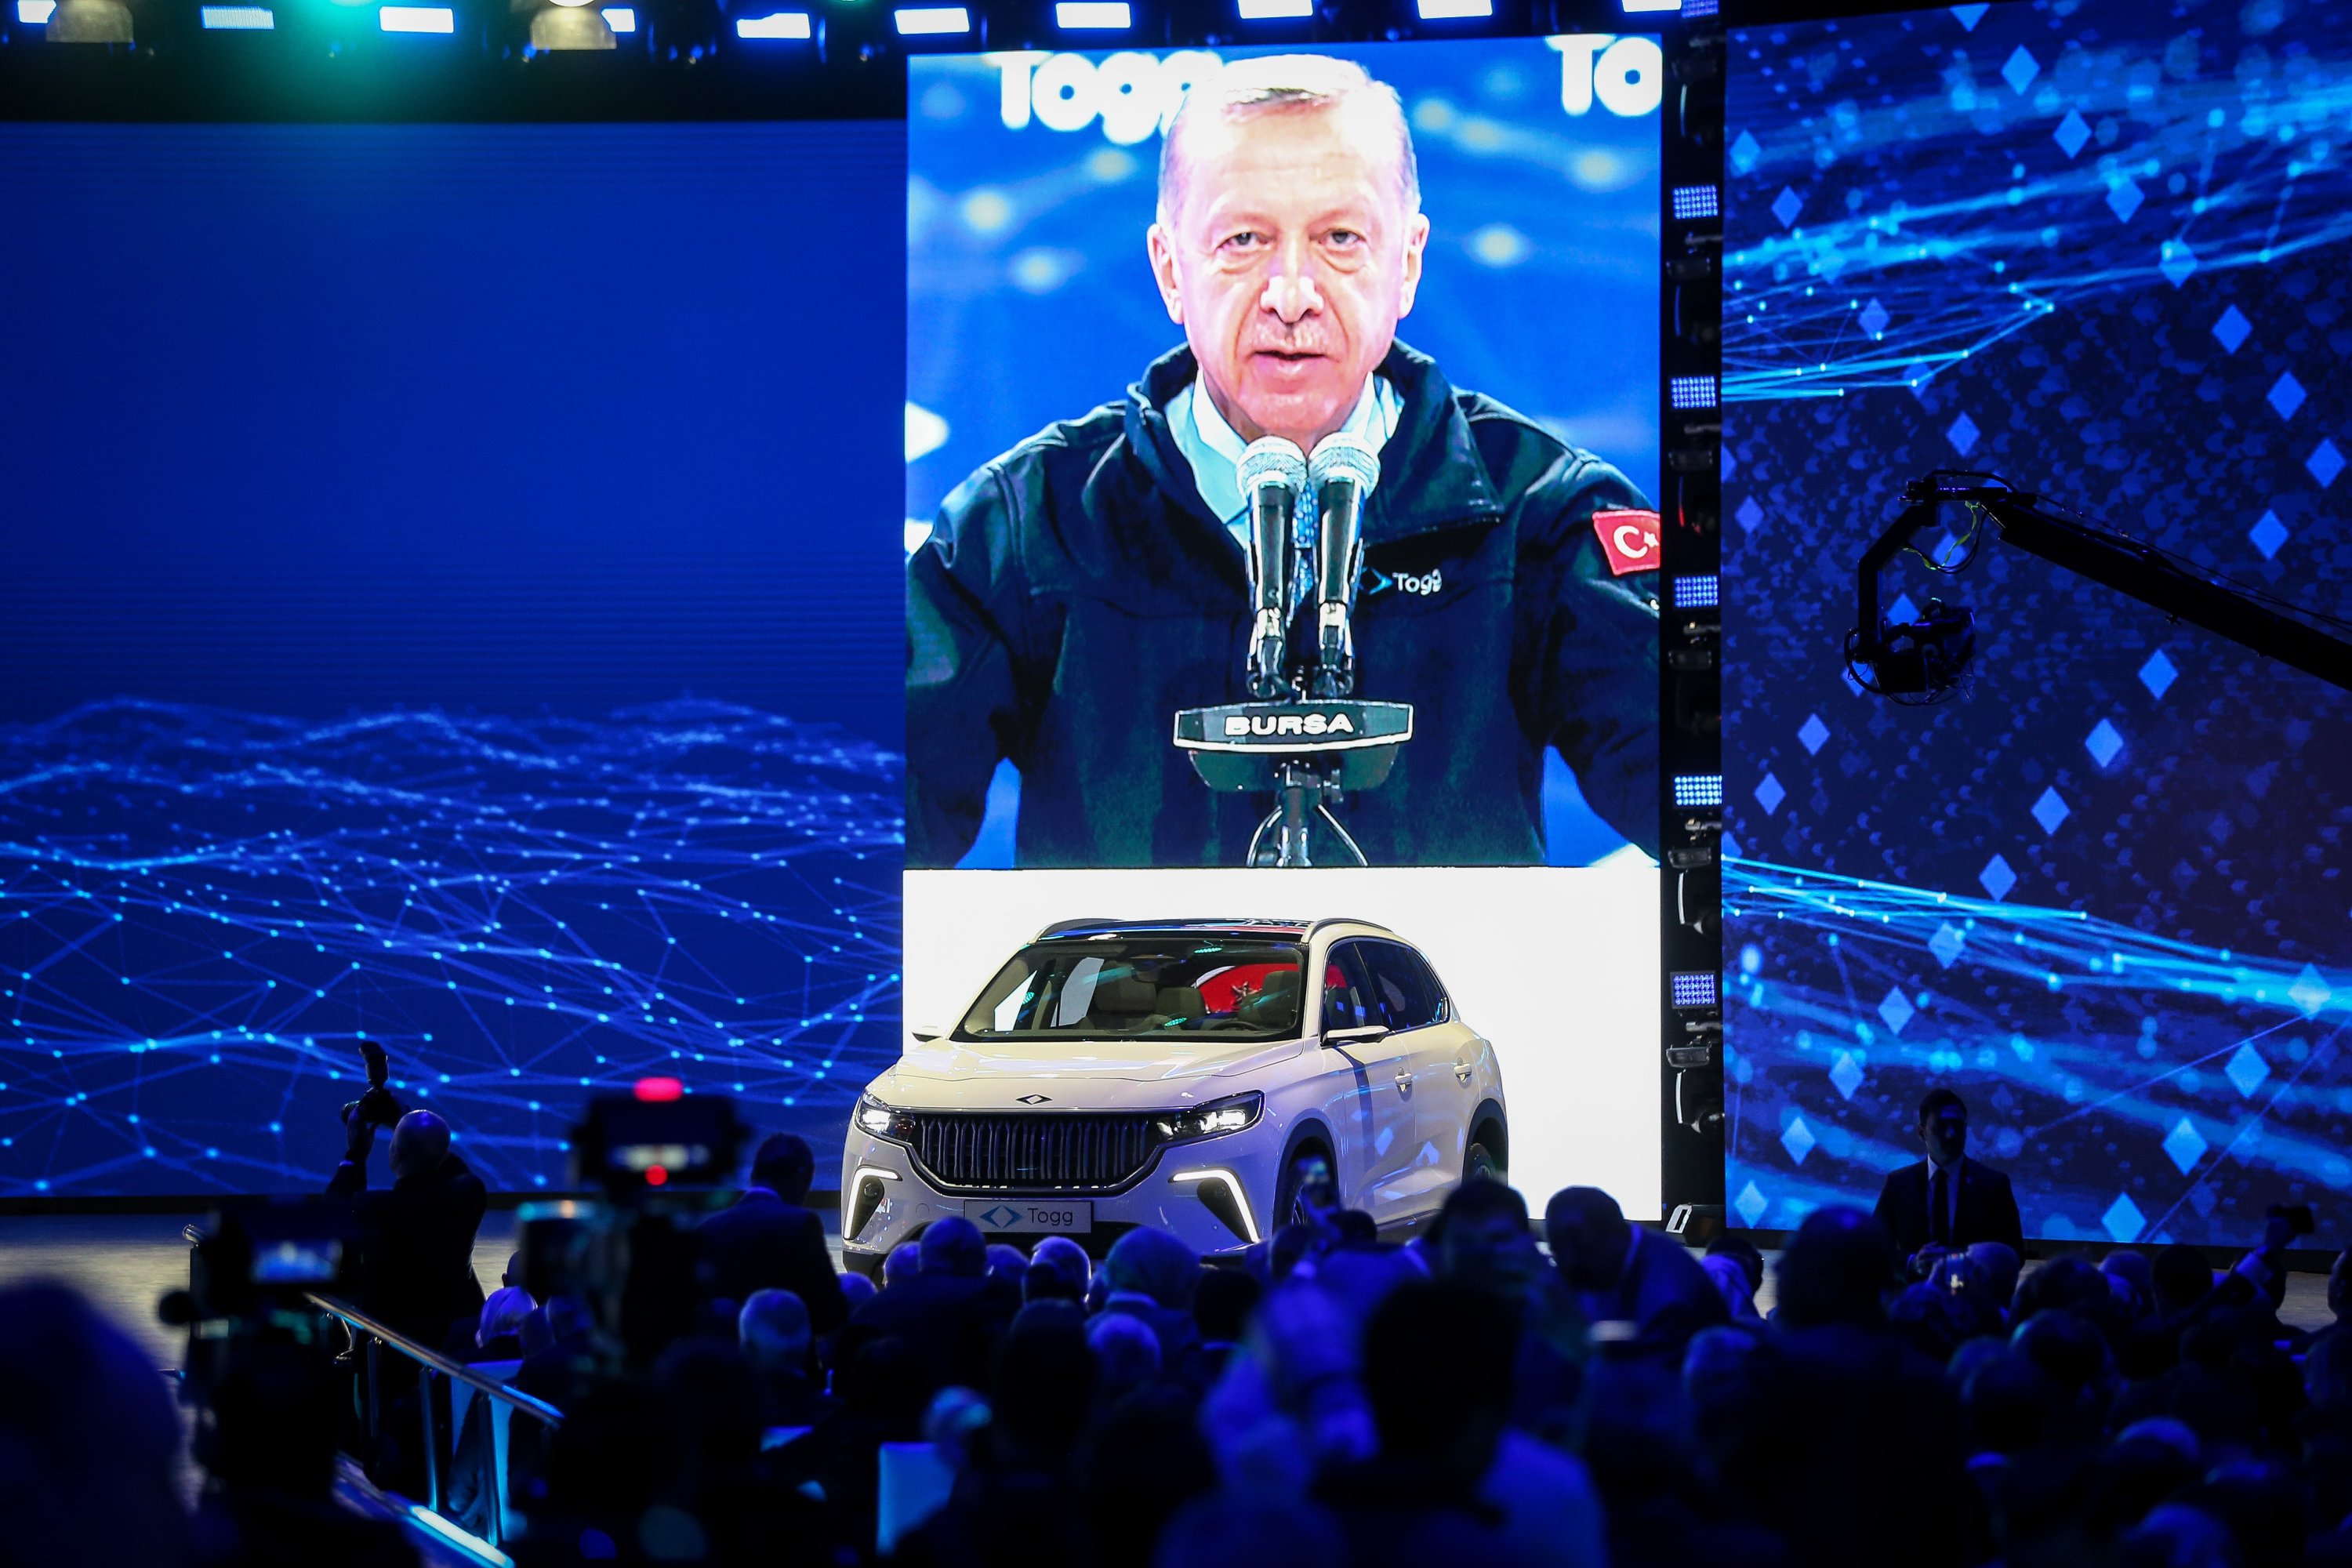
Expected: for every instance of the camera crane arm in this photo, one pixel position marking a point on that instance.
(2044, 528)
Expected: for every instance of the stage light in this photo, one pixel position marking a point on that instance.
(1691, 391)
(1455, 10)
(88, 22)
(35, 13)
(1694, 790)
(1636, 7)
(1693, 988)
(621, 18)
(1094, 15)
(569, 24)
(933, 21)
(1697, 593)
(783, 24)
(1697, 201)
(416, 19)
(1276, 10)
(238, 18)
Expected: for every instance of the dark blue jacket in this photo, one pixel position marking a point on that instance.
(1075, 593)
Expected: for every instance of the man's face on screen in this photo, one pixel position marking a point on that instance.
(1289, 256)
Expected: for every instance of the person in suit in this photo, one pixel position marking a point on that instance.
(417, 1236)
(773, 1329)
(950, 1314)
(1625, 1274)
(767, 1241)
(1948, 1200)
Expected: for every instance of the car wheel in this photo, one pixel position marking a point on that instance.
(1309, 1189)
(1479, 1165)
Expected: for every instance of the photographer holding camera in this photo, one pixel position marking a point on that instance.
(416, 1238)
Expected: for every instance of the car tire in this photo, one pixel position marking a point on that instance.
(1479, 1165)
(1307, 1179)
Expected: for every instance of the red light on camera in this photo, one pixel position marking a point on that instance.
(659, 1091)
(656, 1175)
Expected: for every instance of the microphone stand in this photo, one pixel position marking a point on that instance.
(1305, 727)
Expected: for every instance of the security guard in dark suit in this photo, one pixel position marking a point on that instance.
(1948, 1200)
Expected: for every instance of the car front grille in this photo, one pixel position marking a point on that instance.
(1071, 1152)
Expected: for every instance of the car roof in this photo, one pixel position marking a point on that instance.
(1279, 930)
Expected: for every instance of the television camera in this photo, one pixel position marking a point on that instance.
(1926, 659)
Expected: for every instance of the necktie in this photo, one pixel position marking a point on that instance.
(1939, 1209)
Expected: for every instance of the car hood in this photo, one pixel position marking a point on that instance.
(945, 1075)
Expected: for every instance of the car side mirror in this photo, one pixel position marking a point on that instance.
(925, 1033)
(1362, 1035)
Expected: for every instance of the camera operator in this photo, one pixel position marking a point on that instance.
(270, 1448)
(416, 1256)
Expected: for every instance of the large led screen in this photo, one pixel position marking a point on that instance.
(1447, 253)
(2100, 250)
(448, 596)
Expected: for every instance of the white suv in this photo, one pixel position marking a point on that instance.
(1182, 1074)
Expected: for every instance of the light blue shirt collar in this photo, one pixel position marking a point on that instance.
(1214, 448)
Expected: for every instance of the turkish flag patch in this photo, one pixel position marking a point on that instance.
(1630, 540)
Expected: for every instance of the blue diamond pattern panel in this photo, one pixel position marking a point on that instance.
(2184, 1145)
(2231, 330)
(2119, 864)
(2286, 395)
(2267, 534)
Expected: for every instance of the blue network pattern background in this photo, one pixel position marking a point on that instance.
(416, 537)
(2100, 248)
(205, 912)
(1030, 299)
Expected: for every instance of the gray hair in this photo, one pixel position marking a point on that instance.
(1285, 83)
(773, 1327)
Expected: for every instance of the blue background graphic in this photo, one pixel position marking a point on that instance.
(450, 594)
(2100, 248)
(1030, 299)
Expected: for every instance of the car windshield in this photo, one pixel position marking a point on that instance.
(1244, 987)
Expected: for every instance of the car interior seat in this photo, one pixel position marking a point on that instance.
(1275, 1004)
(1122, 1004)
(1178, 1005)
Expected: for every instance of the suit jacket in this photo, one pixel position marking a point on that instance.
(1077, 591)
(417, 1247)
(949, 1323)
(1987, 1209)
(762, 1243)
(1663, 1292)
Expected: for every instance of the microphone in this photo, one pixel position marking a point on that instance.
(1273, 474)
(1343, 474)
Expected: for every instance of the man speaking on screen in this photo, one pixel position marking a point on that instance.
(1080, 589)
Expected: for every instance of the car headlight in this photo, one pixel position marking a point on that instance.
(1219, 1116)
(877, 1120)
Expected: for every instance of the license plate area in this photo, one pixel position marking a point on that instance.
(1031, 1217)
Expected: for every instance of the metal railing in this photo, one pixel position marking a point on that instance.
(431, 1365)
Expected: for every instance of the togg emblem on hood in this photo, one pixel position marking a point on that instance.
(1033, 1100)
